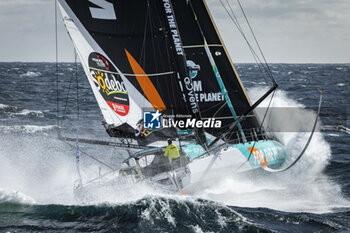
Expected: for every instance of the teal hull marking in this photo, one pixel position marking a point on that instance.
(264, 153)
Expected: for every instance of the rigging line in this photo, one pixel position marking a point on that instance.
(69, 88)
(256, 41)
(254, 54)
(267, 109)
(251, 47)
(234, 19)
(88, 155)
(230, 136)
(56, 71)
(214, 106)
(77, 85)
(223, 105)
(67, 99)
(155, 47)
(143, 50)
(207, 152)
(100, 177)
(264, 65)
(77, 149)
(240, 29)
(241, 118)
(152, 39)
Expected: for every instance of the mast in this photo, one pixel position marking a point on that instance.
(185, 82)
(183, 75)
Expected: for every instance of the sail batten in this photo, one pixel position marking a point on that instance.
(139, 74)
(202, 46)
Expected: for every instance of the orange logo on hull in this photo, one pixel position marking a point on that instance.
(259, 156)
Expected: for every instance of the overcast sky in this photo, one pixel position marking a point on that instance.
(298, 31)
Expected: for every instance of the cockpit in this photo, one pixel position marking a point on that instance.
(149, 163)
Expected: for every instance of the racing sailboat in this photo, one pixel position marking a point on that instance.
(159, 69)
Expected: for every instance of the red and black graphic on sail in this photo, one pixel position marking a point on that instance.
(109, 84)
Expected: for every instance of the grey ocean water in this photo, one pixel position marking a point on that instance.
(37, 171)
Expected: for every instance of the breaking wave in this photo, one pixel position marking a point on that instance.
(31, 74)
(304, 188)
(27, 128)
(148, 214)
(26, 112)
(4, 106)
(336, 128)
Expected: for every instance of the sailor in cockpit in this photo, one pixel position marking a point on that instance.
(172, 152)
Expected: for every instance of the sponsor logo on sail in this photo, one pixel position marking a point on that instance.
(199, 92)
(109, 84)
(101, 62)
(193, 68)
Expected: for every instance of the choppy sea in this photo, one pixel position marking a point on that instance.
(37, 171)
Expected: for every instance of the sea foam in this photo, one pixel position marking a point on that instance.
(31, 74)
(15, 197)
(303, 188)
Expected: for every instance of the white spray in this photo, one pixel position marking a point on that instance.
(303, 188)
(42, 167)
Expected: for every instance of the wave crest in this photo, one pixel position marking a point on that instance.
(30, 74)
